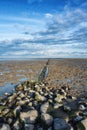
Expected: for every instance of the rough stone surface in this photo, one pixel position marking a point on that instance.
(29, 127)
(44, 107)
(4, 127)
(47, 119)
(60, 124)
(29, 117)
(84, 122)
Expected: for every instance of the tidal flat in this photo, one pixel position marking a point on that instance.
(30, 102)
(62, 72)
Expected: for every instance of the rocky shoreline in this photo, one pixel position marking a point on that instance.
(37, 106)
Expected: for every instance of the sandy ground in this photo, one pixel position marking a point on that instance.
(63, 72)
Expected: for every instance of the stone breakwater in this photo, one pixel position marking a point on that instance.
(36, 106)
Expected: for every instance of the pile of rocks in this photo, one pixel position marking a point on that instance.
(35, 106)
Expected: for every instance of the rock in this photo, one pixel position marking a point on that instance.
(38, 97)
(21, 95)
(28, 127)
(40, 128)
(19, 87)
(16, 125)
(60, 124)
(30, 104)
(59, 98)
(9, 120)
(4, 127)
(84, 122)
(5, 111)
(7, 94)
(82, 107)
(57, 105)
(59, 113)
(29, 117)
(67, 108)
(21, 102)
(78, 118)
(50, 128)
(47, 119)
(44, 107)
(11, 98)
(17, 111)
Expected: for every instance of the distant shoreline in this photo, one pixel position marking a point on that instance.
(32, 59)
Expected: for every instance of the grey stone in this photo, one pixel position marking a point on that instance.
(47, 119)
(4, 127)
(29, 127)
(44, 107)
(29, 117)
(60, 124)
(82, 107)
(16, 125)
(84, 122)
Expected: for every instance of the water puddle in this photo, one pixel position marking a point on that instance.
(20, 70)
(8, 87)
(19, 75)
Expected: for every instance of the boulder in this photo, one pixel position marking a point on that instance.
(28, 127)
(84, 123)
(47, 119)
(4, 127)
(29, 117)
(44, 107)
(60, 124)
(38, 97)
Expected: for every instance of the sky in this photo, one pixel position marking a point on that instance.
(43, 29)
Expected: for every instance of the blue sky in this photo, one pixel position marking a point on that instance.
(43, 29)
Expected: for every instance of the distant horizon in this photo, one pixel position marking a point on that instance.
(43, 28)
(13, 59)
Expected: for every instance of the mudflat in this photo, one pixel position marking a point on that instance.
(62, 72)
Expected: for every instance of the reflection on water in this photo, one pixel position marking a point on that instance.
(8, 87)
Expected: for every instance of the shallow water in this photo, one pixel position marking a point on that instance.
(7, 88)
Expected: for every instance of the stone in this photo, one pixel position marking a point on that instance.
(28, 127)
(29, 117)
(47, 119)
(11, 98)
(44, 107)
(82, 107)
(60, 124)
(19, 87)
(59, 98)
(40, 128)
(84, 122)
(38, 97)
(21, 102)
(5, 111)
(67, 108)
(57, 105)
(21, 95)
(9, 120)
(50, 128)
(16, 125)
(4, 127)
(78, 118)
(17, 111)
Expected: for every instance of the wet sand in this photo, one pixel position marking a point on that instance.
(62, 72)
